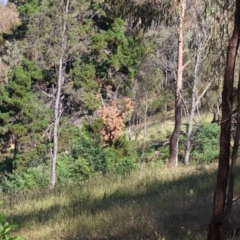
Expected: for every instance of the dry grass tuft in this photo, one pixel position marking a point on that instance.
(9, 18)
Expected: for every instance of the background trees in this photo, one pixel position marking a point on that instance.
(76, 60)
(78, 77)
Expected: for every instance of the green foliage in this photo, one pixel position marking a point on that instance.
(88, 157)
(29, 7)
(95, 127)
(21, 117)
(82, 156)
(205, 143)
(35, 177)
(126, 165)
(70, 169)
(113, 49)
(85, 86)
(124, 148)
(6, 228)
(67, 134)
(90, 149)
(163, 154)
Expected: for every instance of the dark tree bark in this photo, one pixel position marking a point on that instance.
(232, 172)
(215, 230)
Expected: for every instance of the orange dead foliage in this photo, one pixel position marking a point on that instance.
(114, 116)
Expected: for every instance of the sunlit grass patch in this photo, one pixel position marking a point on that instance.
(156, 203)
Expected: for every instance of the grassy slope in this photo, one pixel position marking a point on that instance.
(156, 203)
(161, 129)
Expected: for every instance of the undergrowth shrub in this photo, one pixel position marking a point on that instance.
(204, 143)
(114, 116)
(126, 165)
(86, 158)
(124, 148)
(89, 148)
(26, 180)
(163, 154)
(90, 156)
(6, 228)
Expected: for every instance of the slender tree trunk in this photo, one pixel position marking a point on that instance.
(215, 230)
(193, 107)
(195, 101)
(190, 123)
(57, 109)
(57, 113)
(173, 146)
(145, 129)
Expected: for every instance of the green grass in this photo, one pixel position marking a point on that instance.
(156, 203)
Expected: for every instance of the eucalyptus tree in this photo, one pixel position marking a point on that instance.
(199, 27)
(203, 43)
(220, 211)
(144, 14)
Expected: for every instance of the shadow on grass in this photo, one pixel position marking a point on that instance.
(170, 210)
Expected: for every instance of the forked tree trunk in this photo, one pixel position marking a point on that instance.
(173, 145)
(215, 230)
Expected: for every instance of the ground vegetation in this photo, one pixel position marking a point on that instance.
(104, 90)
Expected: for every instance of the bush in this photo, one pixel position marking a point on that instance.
(86, 158)
(124, 148)
(163, 154)
(126, 165)
(89, 156)
(205, 143)
(26, 179)
(70, 169)
(89, 148)
(6, 228)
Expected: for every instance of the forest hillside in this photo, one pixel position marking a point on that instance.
(139, 96)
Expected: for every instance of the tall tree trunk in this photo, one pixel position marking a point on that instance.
(173, 146)
(228, 211)
(57, 113)
(215, 230)
(57, 109)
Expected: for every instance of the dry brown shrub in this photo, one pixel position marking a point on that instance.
(9, 18)
(114, 116)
